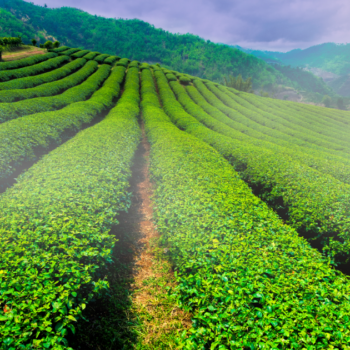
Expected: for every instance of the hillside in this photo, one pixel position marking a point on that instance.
(145, 208)
(137, 40)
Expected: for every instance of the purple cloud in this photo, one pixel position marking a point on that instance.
(265, 25)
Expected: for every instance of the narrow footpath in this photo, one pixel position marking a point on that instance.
(137, 312)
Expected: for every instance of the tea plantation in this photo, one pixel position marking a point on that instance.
(251, 198)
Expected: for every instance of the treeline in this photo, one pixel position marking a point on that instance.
(139, 40)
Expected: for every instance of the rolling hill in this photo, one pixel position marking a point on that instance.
(141, 41)
(249, 195)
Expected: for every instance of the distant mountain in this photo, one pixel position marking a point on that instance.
(329, 61)
(330, 57)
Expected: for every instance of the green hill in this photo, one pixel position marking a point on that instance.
(250, 199)
(137, 40)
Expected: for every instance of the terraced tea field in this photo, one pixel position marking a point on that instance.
(250, 198)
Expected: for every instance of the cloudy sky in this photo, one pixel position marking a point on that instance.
(279, 25)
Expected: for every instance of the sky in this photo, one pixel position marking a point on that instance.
(273, 25)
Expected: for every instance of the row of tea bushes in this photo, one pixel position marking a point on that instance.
(313, 202)
(80, 92)
(317, 123)
(329, 164)
(24, 138)
(25, 62)
(30, 82)
(80, 54)
(291, 121)
(54, 87)
(52, 260)
(69, 52)
(266, 133)
(100, 58)
(60, 49)
(50, 62)
(249, 279)
(259, 116)
(91, 55)
(111, 60)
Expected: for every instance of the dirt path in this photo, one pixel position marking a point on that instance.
(138, 312)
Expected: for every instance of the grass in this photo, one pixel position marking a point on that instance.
(20, 52)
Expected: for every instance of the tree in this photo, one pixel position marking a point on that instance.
(48, 45)
(34, 42)
(326, 101)
(56, 44)
(340, 103)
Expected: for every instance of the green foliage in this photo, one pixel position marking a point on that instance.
(56, 44)
(111, 60)
(48, 45)
(100, 58)
(238, 83)
(60, 49)
(48, 276)
(45, 129)
(184, 80)
(10, 42)
(80, 92)
(54, 87)
(171, 77)
(34, 42)
(230, 250)
(79, 54)
(30, 82)
(69, 52)
(123, 62)
(327, 100)
(91, 55)
(141, 41)
(25, 62)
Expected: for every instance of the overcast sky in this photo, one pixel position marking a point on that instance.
(279, 25)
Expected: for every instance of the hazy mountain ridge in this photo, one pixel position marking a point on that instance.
(330, 61)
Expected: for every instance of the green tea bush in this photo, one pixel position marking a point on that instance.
(53, 265)
(271, 134)
(60, 49)
(315, 203)
(22, 138)
(80, 92)
(248, 278)
(111, 60)
(326, 163)
(100, 58)
(171, 77)
(30, 82)
(123, 62)
(68, 52)
(184, 80)
(50, 62)
(25, 62)
(53, 88)
(91, 55)
(274, 122)
(134, 64)
(80, 54)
